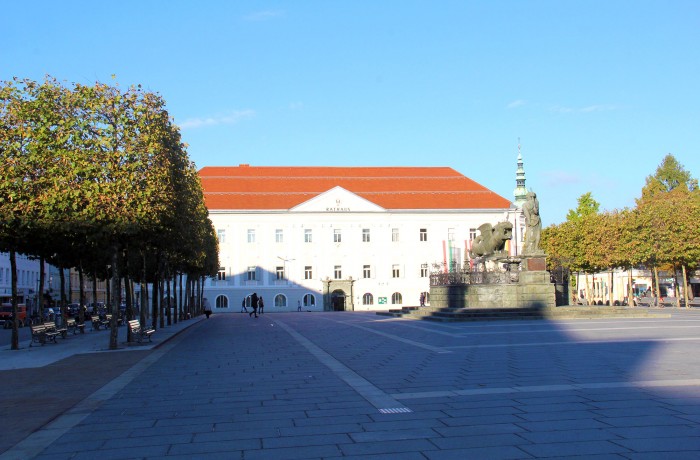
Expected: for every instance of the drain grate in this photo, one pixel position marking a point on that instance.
(395, 410)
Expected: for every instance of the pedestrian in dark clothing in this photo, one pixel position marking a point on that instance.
(261, 305)
(254, 304)
(243, 308)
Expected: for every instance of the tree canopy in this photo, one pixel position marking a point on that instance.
(90, 170)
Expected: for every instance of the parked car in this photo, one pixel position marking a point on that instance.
(6, 315)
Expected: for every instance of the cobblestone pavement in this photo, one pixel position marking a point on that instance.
(357, 385)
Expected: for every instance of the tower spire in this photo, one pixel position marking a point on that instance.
(520, 191)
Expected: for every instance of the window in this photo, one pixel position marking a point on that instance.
(337, 272)
(365, 235)
(279, 236)
(394, 235)
(221, 234)
(307, 236)
(423, 270)
(309, 300)
(337, 237)
(396, 298)
(280, 272)
(367, 299)
(450, 234)
(222, 274)
(308, 273)
(280, 300)
(424, 234)
(251, 273)
(222, 301)
(251, 235)
(366, 271)
(472, 234)
(395, 271)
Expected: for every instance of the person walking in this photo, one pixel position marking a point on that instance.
(254, 304)
(261, 305)
(243, 308)
(298, 305)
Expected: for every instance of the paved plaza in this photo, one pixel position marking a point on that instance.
(361, 386)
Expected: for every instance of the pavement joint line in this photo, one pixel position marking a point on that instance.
(575, 342)
(35, 443)
(549, 388)
(394, 337)
(378, 398)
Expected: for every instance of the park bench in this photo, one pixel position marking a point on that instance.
(668, 302)
(41, 335)
(72, 325)
(646, 301)
(694, 302)
(98, 322)
(52, 328)
(139, 333)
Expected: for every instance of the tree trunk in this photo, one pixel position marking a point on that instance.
(116, 294)
(686, 297)
(630, 294)
(42, 281)
(15, 309)
(64, 313)
(658, 287)
(81, 295)
(154, 304)
(610, 288)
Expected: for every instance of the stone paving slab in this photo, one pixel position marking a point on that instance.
(355, 385)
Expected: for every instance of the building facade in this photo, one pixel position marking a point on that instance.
(335, 238)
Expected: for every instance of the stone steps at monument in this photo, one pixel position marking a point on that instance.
(505, 313)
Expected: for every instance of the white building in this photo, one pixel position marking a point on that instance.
(28, 278)
(340, 238)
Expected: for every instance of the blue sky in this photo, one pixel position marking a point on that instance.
(597, 91)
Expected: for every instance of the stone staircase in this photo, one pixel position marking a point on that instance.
(446, 314)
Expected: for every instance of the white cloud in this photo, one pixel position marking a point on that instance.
(517, 103)
(230, 119)
(587, 109)
(263, 15)
(560, 178)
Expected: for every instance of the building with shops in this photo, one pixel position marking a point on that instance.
(340, 238)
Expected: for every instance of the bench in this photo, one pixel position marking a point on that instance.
(138, 332)
(72, 324)
(52, 328)
(694, 302)
(668, 302)
(41, 335)
(646, 301)
(98, 322)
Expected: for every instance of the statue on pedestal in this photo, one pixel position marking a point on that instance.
(533, 225)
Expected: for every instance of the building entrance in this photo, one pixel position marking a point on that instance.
(338, 300)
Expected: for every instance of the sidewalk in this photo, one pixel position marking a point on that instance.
(360, 386)
(32, 355)
(42, 382)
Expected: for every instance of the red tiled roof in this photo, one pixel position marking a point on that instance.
(281, 187)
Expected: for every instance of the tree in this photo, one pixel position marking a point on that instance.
(586, 206)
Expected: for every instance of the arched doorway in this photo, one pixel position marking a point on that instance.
(338, 300)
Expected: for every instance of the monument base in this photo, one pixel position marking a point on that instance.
(534, 289)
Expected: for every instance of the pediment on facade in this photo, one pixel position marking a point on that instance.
(337, 199)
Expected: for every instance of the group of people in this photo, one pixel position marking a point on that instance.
(256, 304)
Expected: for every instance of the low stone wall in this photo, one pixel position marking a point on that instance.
(534, 289)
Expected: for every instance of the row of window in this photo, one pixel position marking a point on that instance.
(337, 235)
(309, 300)
(280, 274)
(25, 278)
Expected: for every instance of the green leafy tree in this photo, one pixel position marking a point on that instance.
(586, 206)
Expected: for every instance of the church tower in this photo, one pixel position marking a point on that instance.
(520, 191)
